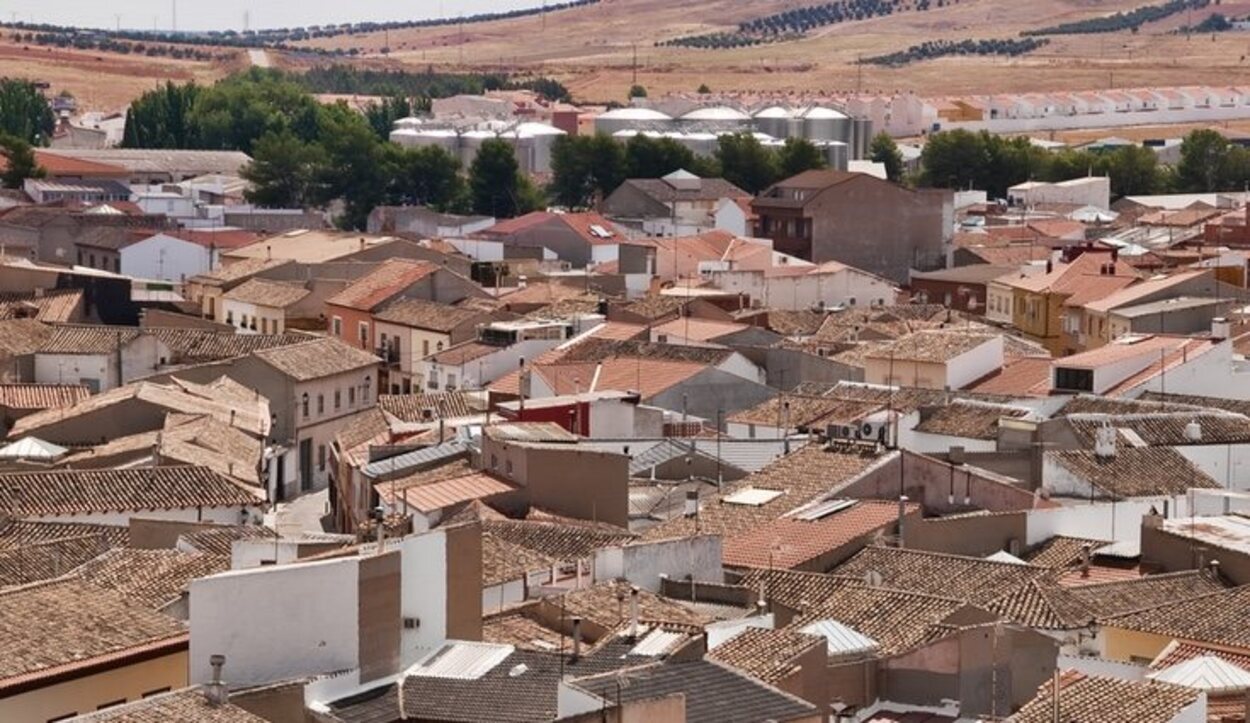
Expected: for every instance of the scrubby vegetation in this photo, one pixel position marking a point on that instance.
(1131, 20)
(940, 48)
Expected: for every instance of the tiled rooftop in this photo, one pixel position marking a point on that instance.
(1134, 471)
(970, 579)
(67, 623)
(767, 655)
(555, 540)
(972, 420)
(57, 306)
(422, 314)
(188, 705)
(80, 492)
(391, 278)
(41, 396)
(263, 292)
(931, 346)
(1217, 618)
(151, 578)
(788, 542)
(1091, 699)
(317, 359)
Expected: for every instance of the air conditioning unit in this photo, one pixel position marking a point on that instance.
(872, 431)
(842, 431)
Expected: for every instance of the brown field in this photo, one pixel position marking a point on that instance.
(592, 49)
(100, 81)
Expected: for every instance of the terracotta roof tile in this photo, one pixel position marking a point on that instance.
(971, 579)
(1107, 700)
(1217, 618)
(41, 396)
(73, 492)
(59, 306)
(428, 407)
(151, 578)
(1060, 551)
(768, 655)
(384, 283)
(971, 420)
(1134, 471)
(437, 495)
(316, 359)
(189, 705)
(88, 339)
(68, 622)
(263, 292)
(556, 540)
(789, 542)
(422, 314)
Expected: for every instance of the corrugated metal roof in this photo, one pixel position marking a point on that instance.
(461, 661)
(657, 642)
(416, 458)
(752, 496)
(1207, 672)
(841, 639)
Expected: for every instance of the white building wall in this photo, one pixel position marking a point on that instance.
(1227, 464)
(96, 371)
(424, 592)
(925, 443)
(502, 595)
(308, 627)
(975, 363)
(1098, 521)
(477, 249)
(644, 564)
(166, 258)
(730, 217)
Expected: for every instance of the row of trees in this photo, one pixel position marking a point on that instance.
(797, 22)
(105, 44)
(340, 78)
(282, 38)
(962, 159)
(586, 168)
(940, 48)
(1131, 20)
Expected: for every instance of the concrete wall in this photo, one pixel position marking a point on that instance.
(301, 620)
(1166, 552)
(974, 536)
(929, 482)
(166, 258)
(711, 390)
(585, 484)
(644, 564)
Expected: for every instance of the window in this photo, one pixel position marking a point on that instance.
(264, 326)
(304, 404)
(338, 399)
(321, 457)
(351, 396)
(440, 346)
(91, 260)
(230, 317)
(92, 385)
(321, 404)
(364, 391)
(364, 333)
(1076, 380)
(337, 325)
(425, 347)
(451, 382)
(80, 257)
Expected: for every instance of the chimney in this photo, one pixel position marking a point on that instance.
(1085, 549)
(1050, 266)
(902, 512)
(633, 613)
(692, 502)
(215, 692)
(1221, 328)
(1214, 567)
(577, 638)
(268, 251)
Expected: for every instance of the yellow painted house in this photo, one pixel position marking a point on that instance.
(1041, 304)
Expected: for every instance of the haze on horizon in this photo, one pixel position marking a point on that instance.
(228, 14)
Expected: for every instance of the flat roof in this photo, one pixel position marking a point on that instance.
(1228, 532)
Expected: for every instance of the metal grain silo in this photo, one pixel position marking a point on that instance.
(622, 119)
(861, 137)
(409, 122)
(533, 143)
(471, 142)
(836, 154)
(826, 124)
(720, 116)
(775, 121)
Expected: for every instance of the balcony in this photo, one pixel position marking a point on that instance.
(389, 355)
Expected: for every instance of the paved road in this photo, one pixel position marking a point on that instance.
(259, 58)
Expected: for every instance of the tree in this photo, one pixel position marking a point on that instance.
(285, 172)
(359, 170)
(496, 186)
(585, 167)
(647, 157)
(703, 89)
(1204, 156)
(1134, 170)
(428, 176)
(161, 118)
(637, 91)
(382, 116)
(24, 113)
(746, 163)
(953, 159)
(19, 161)
(798, 155)
(885, 151)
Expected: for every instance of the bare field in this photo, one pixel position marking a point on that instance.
(592, 49)
(100, 81)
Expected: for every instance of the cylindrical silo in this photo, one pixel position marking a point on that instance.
(826, 124)
(720, 116)
(628, 119)
(538, 138)
(471, 142)
(835, 153)
(775, 121)
(861, 138)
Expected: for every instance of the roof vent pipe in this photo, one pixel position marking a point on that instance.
(215, 692)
